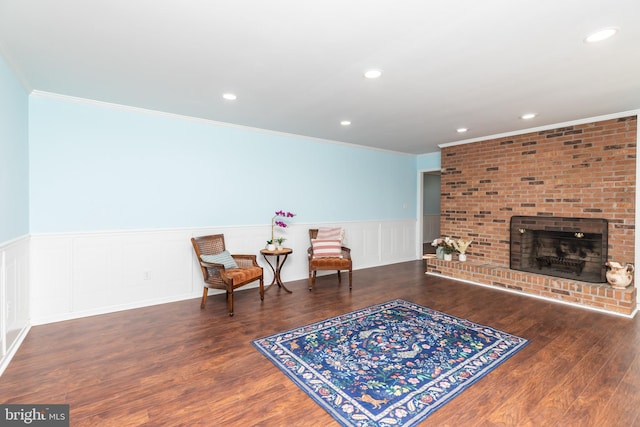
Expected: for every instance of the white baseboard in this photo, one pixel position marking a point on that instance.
(14, 297)
(13, 348)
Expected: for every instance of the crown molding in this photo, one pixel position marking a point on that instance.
(545, 127)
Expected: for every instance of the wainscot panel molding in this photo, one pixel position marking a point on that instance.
(14, 297)
(82, 274)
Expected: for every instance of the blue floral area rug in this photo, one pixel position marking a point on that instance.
(390, 364)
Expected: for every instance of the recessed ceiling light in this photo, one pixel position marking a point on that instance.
(600, 35)
(230, 96)
(345, 123)
(373, 74)
(461, 130)
(528, 116)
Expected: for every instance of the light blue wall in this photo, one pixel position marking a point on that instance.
(101, 167)
(14, 156)
(428, 162)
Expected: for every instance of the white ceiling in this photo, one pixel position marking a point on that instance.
(297, 65)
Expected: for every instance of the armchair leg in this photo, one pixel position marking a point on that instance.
(339, 278)
(312, 279)
(261, 289)
(204, 297)
(230, 302)
(350, 279)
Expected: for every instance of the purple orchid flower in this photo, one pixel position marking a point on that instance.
(278, 223)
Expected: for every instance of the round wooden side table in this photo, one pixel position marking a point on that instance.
(279, 263)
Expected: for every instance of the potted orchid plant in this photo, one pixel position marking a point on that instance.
(276, 222)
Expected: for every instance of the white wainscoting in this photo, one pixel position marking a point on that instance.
(82, 274)
(14, 297)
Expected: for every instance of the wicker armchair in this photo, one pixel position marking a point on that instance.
(328, 263)
(217, 276)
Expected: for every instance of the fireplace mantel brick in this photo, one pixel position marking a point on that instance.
(585, 170)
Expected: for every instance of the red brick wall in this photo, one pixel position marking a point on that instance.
(585, 171)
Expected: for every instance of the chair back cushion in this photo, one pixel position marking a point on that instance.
(223, 257)
(326, 248)
(329, 233)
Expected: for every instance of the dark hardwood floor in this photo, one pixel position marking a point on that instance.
(174, 364)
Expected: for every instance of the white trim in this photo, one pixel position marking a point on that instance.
(8, 243)
(86, 101)
(497, 288)
(126, 231)
(14, 290)
(13, 349)
(543, 128)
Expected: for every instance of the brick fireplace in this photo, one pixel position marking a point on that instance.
(574, 248)
(580, 171)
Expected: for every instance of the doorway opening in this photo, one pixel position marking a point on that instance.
(430, 210)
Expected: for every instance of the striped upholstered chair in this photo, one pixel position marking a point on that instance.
(327, 253)
(221, 270)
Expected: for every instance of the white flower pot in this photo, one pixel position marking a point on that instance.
(462, 257)
(271, 247)
(448, 257)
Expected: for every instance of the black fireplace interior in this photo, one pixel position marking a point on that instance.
(572, 248)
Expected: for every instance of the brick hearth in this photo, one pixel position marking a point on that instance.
(585, 171)
(601, 296)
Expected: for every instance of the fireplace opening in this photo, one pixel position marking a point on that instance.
(573, 248)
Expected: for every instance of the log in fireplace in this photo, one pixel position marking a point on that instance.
(574, 248)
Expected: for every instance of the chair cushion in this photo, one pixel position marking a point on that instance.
(330, 264)
(329, 233)
(223, 257)
(243, 275)
(326, 248)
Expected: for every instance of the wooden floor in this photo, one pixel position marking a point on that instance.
(175, 364)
